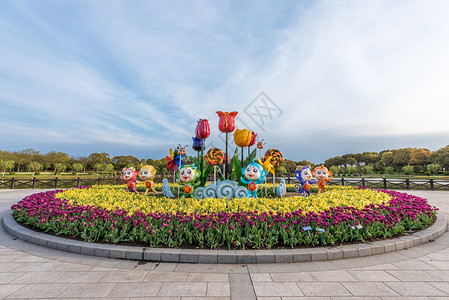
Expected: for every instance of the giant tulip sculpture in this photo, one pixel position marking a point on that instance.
(242, 138)
(252, 142)
(226, 124)
(202, 132)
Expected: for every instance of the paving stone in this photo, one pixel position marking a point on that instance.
(156, 276)
(183, 289)
(209, 277)
(364, 249)
(88, 290)
(350, 252)
(241, 287)
(218, 289)
(367, 275)
(413, 275)
(297, 276)
(332, 276)
(316, 289)
(141, 289)
(261, 277)
(276, 289)
(415, 289)
(6, 290)
(80, 277)
(301, 255)
(37, 290)
(369, 289)
(125, 276)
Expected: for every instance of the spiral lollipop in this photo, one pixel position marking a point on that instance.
(215, 156)
(276, 157)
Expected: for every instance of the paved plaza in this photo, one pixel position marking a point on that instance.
(31, 271)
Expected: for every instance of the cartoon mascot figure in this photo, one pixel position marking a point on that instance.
(322, 174)
(148, 173)
(187, 176)
(253, 175)
(129, 176)
(304, 175)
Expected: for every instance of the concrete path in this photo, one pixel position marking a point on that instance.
(30, 271)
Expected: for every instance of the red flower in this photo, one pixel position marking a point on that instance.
(202, 129)
(226, 122)
(253, 139)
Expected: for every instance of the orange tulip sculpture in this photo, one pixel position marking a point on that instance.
(242, 138)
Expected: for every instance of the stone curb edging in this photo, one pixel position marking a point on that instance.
(226, 256)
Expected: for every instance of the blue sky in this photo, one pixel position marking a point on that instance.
(315, 79)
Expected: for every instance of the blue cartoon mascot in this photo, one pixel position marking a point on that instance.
(304, 175)
(253, 175)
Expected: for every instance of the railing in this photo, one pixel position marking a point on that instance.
(384, 183)
(375, 183)
(54, 183)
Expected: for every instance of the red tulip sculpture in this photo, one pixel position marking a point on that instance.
(252, 142)
(226, 124)
(202, 132)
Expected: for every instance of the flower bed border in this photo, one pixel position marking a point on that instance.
(227, 256)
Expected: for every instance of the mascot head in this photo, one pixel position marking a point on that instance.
(254, 172)
(303, 173)
(321, 172)
(147, 172)
(129, 174)
(188, 174)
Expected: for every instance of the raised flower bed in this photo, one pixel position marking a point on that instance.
(341, 215)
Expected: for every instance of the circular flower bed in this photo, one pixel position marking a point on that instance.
(341, 215)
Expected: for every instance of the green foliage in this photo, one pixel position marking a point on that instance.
(408, 170)
(433, 168)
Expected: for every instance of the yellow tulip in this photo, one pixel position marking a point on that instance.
(242, 137)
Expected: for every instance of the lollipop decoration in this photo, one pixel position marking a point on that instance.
(215, 157)
(276, 159)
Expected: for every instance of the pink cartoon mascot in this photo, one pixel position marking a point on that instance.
(129, 176)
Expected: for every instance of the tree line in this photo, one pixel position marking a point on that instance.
(405, 160)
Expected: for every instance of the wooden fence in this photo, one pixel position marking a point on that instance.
(375, 183)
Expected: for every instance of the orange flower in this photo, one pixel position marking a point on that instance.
(242, 137)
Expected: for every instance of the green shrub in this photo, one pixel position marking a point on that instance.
(37, 173)
(12, 173)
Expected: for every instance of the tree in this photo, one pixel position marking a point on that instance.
(368, 169)
(127, 161)
(334, 161)
(77, 167)
(401, 157)
(335, 170)
(420, 157)
(433, 168)
(109, 168)
(98, 158)
(98, 167)
(441, 157)
(289, 165)
(6, 165)
(281, 170)
(370, 158)
(351, 170)
(389, 170)
(387, 158)
(59, 167)
(34, 166)
(408, 170)
(24, 157)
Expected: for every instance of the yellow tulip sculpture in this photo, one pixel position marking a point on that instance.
(242, 138)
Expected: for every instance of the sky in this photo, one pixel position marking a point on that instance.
(314, 79)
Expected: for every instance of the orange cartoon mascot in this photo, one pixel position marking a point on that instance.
(322, 174)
